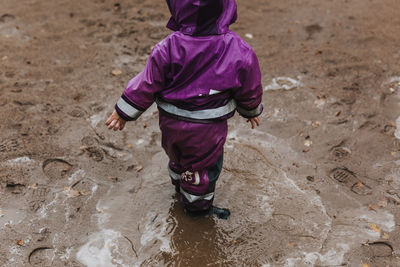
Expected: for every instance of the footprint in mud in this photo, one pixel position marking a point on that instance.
(389, 129)
(84, 187)
(89, 141)
(56, 168)
(9, 145)
(6, 17)
(378, 249)
(94, 152)
(340, 152)
(13, 179)
(90, 145)
(349, 98)
(348, 178)
(41, 256)
(38, 194)
(35, 205)
(361, 188)
(15, 188)
(77, 112)
(343, 175)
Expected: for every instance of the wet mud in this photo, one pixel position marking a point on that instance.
(317, 184)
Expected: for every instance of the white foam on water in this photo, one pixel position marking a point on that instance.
(94, 190)
(332, 257)
(265, 205)
(381, 218)
(20, 160)
(45, 208)
(99, 250)
(109, 247)
(77, 174)
(139, 141)
(66, 255)
(285, 83)
(19, 256)
(102, 248)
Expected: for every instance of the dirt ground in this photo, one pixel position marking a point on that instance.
(317, 184)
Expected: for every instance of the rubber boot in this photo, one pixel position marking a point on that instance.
(221, 213)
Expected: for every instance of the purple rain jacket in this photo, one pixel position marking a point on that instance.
(200, 73)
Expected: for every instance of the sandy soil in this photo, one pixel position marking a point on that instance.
(318, 184)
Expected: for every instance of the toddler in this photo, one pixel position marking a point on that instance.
(199, 76)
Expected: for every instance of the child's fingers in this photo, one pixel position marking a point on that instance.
(122, 126)
(252, 124)
(109, 120)
(112, 124)
(116, 127)
(257, 120)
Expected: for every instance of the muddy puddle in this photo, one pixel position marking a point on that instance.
(276, 219)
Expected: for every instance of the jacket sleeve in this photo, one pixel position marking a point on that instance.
(140, 92)
(248, 97)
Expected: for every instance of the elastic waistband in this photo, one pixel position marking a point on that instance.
(205, 114)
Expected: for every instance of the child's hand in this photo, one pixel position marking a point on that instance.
(115, 122)
(254, 121)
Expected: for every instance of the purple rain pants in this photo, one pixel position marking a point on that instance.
(195, 151)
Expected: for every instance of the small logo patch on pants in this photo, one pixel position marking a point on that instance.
(190, 177)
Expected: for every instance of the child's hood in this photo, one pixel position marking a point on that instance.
(202, 17)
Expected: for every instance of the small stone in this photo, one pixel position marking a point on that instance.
(139, 168)
(249, 35)
(373, 207)
(316, 124)
(308, 143)
(385, 236)
(116, 72)
(310, 178)
(375, 228)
